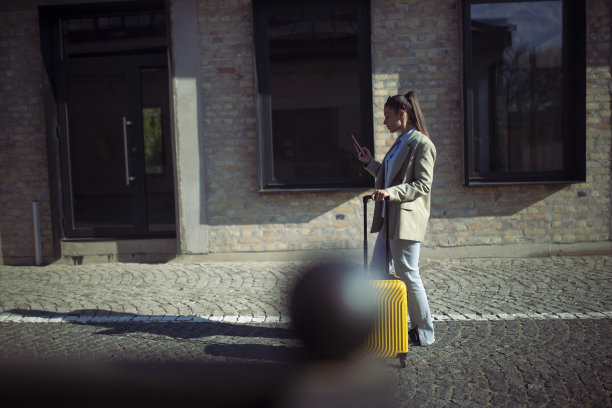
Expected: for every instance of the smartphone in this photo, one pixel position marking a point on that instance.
(361, 152)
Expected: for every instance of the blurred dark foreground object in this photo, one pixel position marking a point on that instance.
(76, 384)
(334, 309)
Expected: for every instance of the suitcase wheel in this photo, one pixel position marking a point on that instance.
(402, 359)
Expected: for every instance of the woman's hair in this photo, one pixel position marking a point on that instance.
(409, 104)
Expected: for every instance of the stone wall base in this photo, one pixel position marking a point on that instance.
(480, 251)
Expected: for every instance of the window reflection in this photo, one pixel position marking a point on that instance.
(153, 140)
(517, 83)
(113, 35)
(314, 86)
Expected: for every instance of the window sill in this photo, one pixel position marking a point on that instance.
(496, 183)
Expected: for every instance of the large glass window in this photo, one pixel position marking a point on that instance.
(525, 91)
(314, 91)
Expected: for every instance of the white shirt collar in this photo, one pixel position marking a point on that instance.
(407, 135)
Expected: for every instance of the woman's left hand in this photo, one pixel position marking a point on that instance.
(380, 194)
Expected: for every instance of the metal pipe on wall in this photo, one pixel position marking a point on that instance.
(37, 247)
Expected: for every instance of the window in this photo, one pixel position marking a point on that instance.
(313, 91)
(126, 28)
(524, 73)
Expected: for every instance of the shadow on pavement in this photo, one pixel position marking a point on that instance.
(255, 352)
(171, 326)
(193, 329)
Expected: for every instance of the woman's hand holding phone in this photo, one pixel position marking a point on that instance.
(357, 146)
(363, 154)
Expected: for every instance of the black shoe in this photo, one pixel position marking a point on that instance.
(413, 337)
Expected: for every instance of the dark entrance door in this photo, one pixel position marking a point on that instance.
(118, 161)
(112, 90)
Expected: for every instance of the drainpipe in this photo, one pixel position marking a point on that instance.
(36, 216)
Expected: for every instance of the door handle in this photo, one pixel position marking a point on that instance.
(128, 178)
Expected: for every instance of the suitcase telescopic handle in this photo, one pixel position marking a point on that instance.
(365, 233)
(365, 199)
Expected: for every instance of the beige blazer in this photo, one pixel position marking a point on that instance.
(409, 192)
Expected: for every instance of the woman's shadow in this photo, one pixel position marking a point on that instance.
(110, 323)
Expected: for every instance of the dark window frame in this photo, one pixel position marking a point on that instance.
(574, 103)
(267, 183)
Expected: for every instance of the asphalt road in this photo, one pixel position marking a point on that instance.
(510, 332)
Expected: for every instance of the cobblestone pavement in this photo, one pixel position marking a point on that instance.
(510, 332)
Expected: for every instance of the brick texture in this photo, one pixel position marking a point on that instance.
(415, 45)
(23, 154)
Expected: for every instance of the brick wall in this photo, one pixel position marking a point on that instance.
(241, 218)
(415, 45)
(23, 157)
(599, 107)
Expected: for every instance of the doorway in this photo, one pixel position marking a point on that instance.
(112, 91)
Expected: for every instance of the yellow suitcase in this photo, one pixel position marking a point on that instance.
(389, 339)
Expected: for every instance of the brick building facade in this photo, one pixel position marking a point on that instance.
(220, 205)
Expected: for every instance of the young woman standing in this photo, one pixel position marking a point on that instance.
(405, 176)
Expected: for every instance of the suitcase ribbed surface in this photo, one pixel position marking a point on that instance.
(390, 336)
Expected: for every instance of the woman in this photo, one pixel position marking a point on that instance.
(405, 176)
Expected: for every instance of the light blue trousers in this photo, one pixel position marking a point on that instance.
(405, 259)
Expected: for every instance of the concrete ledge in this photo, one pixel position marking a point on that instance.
(356, 254)
(519, 250)
(281, 256)
(165, 251)
(131, 250)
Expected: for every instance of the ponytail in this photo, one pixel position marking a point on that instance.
(415, 114)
